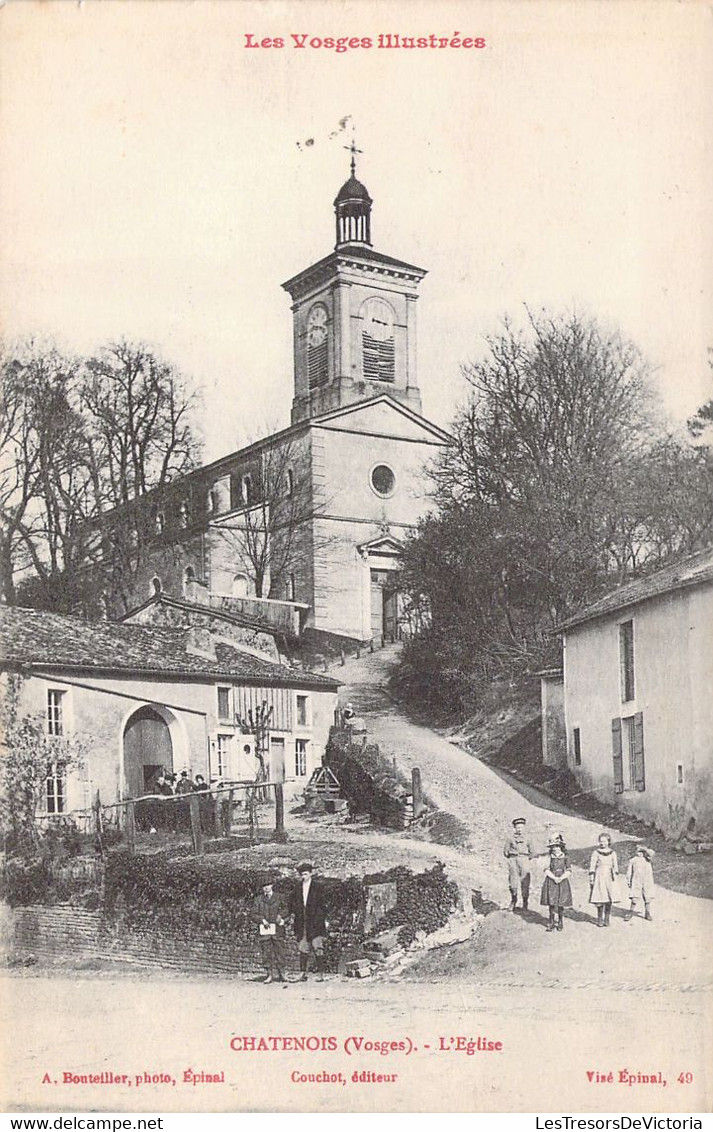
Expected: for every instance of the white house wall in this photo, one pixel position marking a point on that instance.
(97, 709)
(673, 670)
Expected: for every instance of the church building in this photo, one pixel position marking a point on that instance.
(305, 528)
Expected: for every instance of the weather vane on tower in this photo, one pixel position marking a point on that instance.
(353, 150)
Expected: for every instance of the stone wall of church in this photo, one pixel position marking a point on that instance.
(351, 513)
(232, 542)
(167, 561)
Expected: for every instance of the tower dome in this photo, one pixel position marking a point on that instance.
(352, 208)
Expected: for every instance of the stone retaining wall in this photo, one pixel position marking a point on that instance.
(62, 932)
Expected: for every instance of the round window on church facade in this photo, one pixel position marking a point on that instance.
(383, 480)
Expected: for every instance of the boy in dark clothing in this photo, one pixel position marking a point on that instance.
(267, 913)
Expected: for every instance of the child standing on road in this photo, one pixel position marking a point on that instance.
(640, 878)
(556, 890)
(603, 870)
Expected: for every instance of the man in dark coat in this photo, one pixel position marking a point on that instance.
(310, 925)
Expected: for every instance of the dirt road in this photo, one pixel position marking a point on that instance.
(515, 949)
(148, 1027)
(587, 1020)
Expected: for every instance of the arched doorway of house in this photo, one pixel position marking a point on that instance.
(147, 750)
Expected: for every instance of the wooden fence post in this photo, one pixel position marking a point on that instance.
(416, 791)
(229, 815)
(131, 827)
(280, 813)
(196, 831)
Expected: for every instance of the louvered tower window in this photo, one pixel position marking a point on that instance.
(377, 342)
(317, 365)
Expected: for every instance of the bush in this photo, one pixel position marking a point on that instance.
(186, 897)
(368, 780)
(424, 902)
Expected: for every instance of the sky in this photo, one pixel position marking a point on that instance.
(161, 179)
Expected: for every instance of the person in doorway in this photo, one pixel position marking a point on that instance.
(267, 913)
(184, 787)
(640, 879)
(309, 924)
(200, 786)
(164, 812)
(603, 871)
(556, 891)
(185, 783)
(518, 852)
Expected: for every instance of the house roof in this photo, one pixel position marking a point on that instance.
(33, 639)
(695, 570)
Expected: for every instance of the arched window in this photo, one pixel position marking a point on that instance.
(290, 588)
(289, 483)
(189, 575)
(240, 585)
(246, 488)
(156, 585)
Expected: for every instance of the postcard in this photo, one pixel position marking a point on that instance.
(357, 581)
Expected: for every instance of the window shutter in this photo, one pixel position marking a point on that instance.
(639, 776)
(616, 756)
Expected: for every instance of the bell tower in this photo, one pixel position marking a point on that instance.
(354, 317)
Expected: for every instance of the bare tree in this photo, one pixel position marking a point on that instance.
(276, 504)
(562, 481)
(45, 488)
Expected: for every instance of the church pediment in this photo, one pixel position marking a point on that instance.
(385, 545)
(383, 416)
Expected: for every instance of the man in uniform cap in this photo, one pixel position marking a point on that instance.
(518, 851)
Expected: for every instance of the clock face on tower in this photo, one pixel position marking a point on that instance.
(317, 325)
(379, 320)
(317, 348)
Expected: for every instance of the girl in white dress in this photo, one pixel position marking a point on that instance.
(603, 869)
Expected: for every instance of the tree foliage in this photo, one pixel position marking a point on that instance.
(561, 481)
(31, 756)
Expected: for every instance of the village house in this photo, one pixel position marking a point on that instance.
(638, 696)
(166, 694)
(304, 528)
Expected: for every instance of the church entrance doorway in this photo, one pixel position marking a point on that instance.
(384, 606)
(148, 749)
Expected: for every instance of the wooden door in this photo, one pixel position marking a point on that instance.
(379, 579)
(277, 759)
(391, 605)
